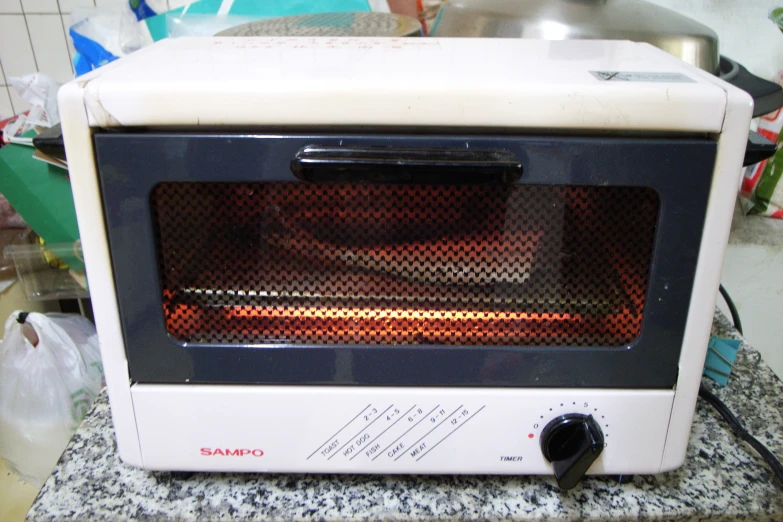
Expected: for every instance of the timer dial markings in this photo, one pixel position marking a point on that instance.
(572, 407)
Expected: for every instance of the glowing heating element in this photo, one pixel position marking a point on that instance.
(384, 264)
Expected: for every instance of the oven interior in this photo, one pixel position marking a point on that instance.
(342, 263)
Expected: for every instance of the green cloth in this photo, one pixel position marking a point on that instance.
(41, 194)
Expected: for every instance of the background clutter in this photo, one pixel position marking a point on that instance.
(50, 372)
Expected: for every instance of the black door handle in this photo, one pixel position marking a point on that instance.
(330, 164)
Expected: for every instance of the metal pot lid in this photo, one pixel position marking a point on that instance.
(635, 20)
(330, 24)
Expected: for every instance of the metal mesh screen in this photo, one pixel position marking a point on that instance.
(299, 263)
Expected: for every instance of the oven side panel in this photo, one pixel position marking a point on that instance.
(717, 225)
(340, 429)
(89, 213)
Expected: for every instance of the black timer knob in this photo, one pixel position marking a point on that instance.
(571, 442)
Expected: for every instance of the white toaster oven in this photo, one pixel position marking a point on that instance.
(403, 255)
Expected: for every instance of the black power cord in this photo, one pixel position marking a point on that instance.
(732, 309)
(738, 429)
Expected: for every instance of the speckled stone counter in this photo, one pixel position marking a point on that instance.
(722, 479)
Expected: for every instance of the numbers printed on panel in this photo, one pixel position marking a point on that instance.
(394, 432)
(462, 414)
(435, 418)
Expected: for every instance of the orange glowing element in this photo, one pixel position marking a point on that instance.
(391, 314)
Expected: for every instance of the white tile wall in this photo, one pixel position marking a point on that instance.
(34, 38)
(66, 6)
(40, 6)
(106, 3)
(16, 51)
(10, 6)
(50, 46)
(6, 109)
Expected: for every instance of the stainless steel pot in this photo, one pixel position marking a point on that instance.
(634, 20)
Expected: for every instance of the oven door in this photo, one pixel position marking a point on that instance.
(422, 260)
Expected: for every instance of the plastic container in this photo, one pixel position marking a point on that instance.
(11, 237)
(49, 271)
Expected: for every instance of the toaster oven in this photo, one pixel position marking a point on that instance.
(369, 255)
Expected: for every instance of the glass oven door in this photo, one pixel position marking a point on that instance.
(404, 260)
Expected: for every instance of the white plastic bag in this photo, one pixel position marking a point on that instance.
(100, 35)
(46, 389)
(40, 92)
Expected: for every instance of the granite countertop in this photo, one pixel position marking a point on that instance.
(722, 479)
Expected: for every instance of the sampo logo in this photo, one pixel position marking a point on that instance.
(228, 452)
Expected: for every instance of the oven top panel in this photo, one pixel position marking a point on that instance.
(468, 83)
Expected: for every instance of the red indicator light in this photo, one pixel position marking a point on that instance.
(530, 435)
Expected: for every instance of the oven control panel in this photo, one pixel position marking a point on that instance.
(565, 433)
(411, 431)
(396, 432)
